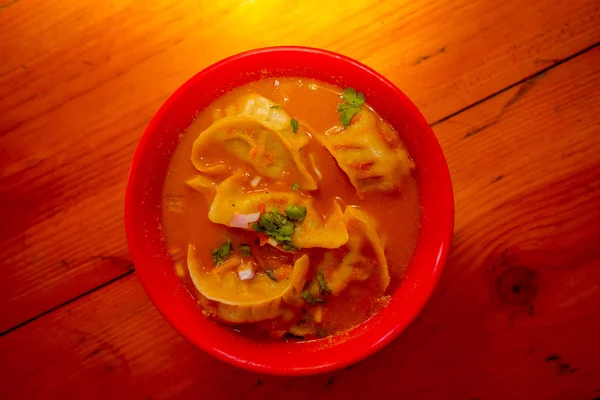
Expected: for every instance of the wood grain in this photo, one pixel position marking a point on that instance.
(514, 315)
(79, 82)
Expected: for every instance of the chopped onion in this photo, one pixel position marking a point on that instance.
(243, 220)
(255, 181)
(276, 83)
(272, 242)
(246, 272)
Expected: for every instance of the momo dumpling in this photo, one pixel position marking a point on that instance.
(236, 197)
(370, 153)
(252, 300)
(364, 259)
(258, 132)
(275, 154)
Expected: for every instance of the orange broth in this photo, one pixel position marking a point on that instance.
(396, 215)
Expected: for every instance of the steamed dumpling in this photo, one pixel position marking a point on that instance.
(257, 135)
(365, 258)
(236, 197)
(252, 300)
(370, 153)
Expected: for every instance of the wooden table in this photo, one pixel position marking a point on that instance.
(512, 90)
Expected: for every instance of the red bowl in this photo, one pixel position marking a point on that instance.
(155, 268)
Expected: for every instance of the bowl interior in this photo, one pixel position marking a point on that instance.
(155, 268)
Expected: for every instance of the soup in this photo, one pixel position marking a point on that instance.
(290, 209)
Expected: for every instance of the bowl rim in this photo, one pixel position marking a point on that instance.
(223, 349)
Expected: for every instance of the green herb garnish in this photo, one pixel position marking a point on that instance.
(220, 254)
(281, 226)
(296, 213)
(271, 274)
(295, 186)
(294, 124)
(323, 283)
(245, 250)
(275, 225)
(288, 246)
(275, 106)
(351, 106)
(311, 298)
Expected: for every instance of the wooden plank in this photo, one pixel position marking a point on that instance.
(514, 315)
(79, 82)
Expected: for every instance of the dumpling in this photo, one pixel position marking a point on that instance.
(235, 196)
(252, 300)
(365, 258)
(272, 153)
(370, 153)
(258, 135)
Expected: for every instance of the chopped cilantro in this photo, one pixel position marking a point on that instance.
(220, 254)
(280, 226)
(294, 124)
(323, 283)
(275, 106)
(245, 250)
(296, 213)
(288, 246)
(351, 106)
(295, 186)
(311, 298)
(353, 97)
(275, 225)
(271, 274)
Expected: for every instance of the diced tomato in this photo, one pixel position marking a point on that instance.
(263, 239)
